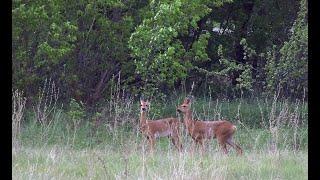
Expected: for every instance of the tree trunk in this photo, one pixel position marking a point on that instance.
(105, 77)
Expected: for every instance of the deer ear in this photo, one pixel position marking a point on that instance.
(187, 100)
(190, 98)
(142, 99)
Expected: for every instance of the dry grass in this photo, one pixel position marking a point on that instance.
(114, 149)
(18, 103)
(60, 162)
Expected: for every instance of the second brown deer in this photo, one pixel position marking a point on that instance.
(152, 129)
(223, 130)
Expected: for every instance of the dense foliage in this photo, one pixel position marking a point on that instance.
(156, 47)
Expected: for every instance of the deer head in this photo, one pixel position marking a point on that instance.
(185, 106)
(144, 105)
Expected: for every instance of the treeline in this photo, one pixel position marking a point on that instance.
(225, 47)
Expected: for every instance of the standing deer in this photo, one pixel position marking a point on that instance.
(201, 130)
(152, 129)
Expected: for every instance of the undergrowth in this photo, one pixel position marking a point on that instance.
(72, 143)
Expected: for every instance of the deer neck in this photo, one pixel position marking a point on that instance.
(188, 118)
(143, 118)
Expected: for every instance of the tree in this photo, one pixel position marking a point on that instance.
(290, 69)
(170, 41)
(41, 39)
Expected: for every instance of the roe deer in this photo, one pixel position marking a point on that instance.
(201, 130)
(152, 129)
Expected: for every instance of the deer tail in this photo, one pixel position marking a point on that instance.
(234, 127)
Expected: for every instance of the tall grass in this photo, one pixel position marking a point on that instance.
(18, 103)
(287, 120)
(62, 162)
(108, 145)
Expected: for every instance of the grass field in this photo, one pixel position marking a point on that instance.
(60, 162)
(273, 135)
(125, 155)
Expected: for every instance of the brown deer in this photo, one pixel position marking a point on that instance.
(223, 130)
(152, 129)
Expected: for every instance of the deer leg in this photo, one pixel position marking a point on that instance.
(176, 141)
(224, 148)
(175, 137)
(223, 145)
(199, 140)
(151, 142)
(202, 146)
(193, 145)
(234, 145)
